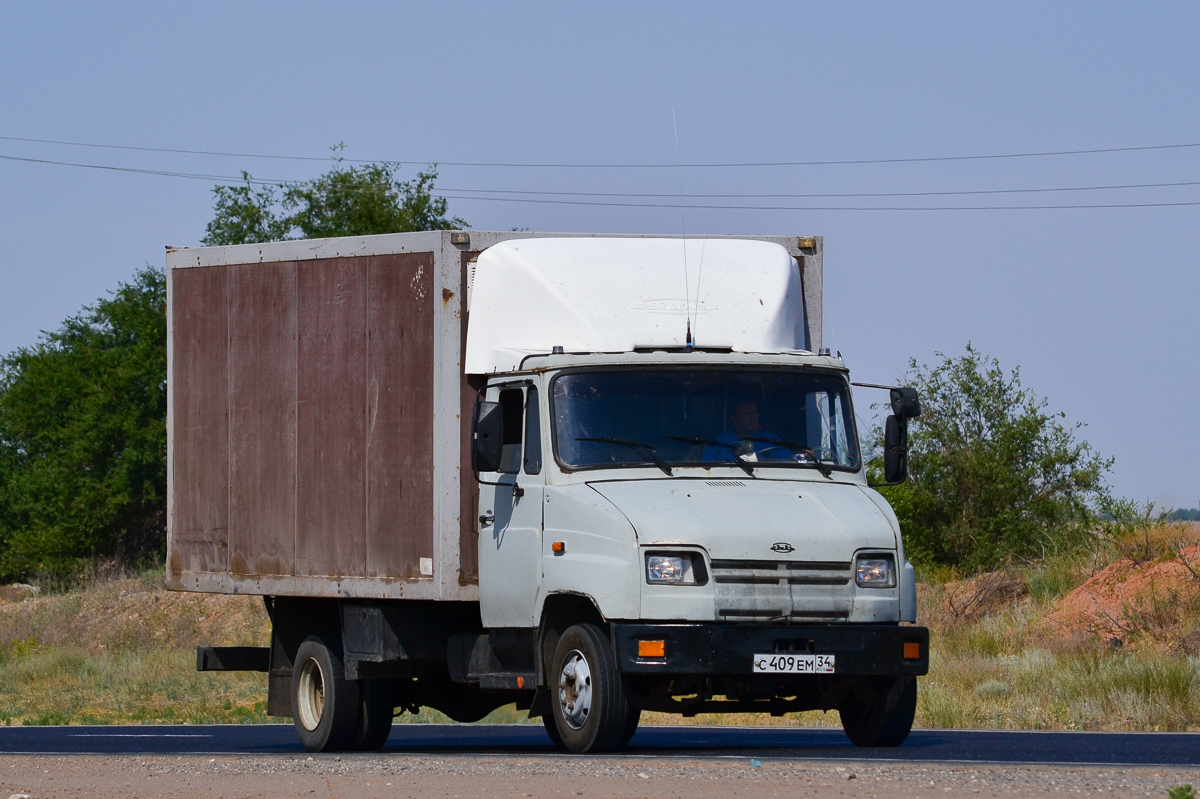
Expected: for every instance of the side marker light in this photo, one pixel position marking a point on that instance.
(912, 651)
(652, 649)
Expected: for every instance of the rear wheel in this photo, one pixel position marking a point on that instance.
(375, 722)
(325, 705)
(881, 712)
(590, 707)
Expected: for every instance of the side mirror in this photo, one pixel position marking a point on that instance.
(487, 436)
(895, 450)
(905, 403)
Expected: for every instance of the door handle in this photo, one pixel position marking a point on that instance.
(486, 519)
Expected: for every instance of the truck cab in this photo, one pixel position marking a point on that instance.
(704, 508)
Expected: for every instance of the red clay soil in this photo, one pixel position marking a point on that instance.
(1127, 596)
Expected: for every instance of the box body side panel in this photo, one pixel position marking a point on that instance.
(303, 428)
(400, 443)
(331, 418)
(199, 526)
(262, 413)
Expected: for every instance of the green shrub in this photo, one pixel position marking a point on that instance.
(992, 474)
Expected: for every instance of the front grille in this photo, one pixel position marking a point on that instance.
(794, 572)
(769, 590)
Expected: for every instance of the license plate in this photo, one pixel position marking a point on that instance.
(793, 664)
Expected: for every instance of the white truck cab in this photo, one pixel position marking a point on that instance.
(681, 465)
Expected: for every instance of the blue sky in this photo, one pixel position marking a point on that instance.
(1097, 306)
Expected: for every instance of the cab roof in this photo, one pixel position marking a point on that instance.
(616, 295)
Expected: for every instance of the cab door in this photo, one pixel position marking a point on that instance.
(510, 513)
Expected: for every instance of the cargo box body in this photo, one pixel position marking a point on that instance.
(319, 415)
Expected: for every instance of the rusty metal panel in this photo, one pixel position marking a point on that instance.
(331, 418)
(400, 316)
(262, 411)
(468, 521)
(200, 432)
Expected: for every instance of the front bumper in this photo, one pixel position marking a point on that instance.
(712, 648)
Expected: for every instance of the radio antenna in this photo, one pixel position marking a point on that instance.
(687, 285)
(699, 277)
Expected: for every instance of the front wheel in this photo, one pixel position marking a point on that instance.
(881, 712)
(631, 725)
(591, 709)
(325, 705)
(552, 728)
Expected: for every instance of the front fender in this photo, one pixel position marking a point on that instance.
(600, 554)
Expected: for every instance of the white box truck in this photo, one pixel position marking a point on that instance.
(588, 475)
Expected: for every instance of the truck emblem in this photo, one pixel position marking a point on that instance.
(782, 547)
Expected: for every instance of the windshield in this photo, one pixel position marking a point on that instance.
(691, 417)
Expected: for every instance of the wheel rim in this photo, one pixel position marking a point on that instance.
(311, 694)
(575, 690)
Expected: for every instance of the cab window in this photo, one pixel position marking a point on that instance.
(512, 407)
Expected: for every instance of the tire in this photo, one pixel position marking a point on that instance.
(552, 729)
(588, 701)
(326, 707)
(631, 725)
(375, 717)
(881, 714)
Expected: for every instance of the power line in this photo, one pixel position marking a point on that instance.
(672, 206)
(161, 172)
(813, 196)
(517, 165)
(675, 206)
(170, 150)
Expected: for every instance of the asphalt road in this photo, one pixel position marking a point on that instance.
(945, 746)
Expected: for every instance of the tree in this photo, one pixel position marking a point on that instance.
(83, 437)
(992, 474)
(83, 411)
(355, 201)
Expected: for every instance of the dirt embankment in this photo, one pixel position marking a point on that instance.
(1128, 599)
(1151, 599)
(127, 615)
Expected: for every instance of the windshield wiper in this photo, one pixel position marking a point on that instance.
(795, 447)
(645, 450)
(745, 467)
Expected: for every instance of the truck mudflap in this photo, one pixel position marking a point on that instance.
(711, 648)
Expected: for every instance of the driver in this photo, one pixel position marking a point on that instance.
(745, 436)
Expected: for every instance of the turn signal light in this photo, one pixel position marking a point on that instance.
(559, 547)
(652, 649)
(912, 651)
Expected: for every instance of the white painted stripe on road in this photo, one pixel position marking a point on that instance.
(132, 735)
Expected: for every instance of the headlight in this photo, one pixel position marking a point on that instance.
(676, 569)
(875, 571)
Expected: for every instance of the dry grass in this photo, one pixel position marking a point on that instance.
(122, 651)
(1008, 650)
